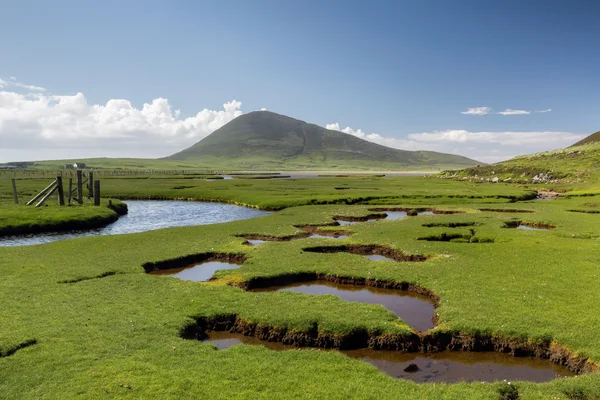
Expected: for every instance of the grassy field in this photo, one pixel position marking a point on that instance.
(114, 331)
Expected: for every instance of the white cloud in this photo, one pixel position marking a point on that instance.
(477, 111)
(13, 82)
(69, 126)
(28, 87)
(498, 138)
(488, 147)
(510, 111)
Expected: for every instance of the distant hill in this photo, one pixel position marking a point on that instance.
(579, 162)
(593, 138)
(265, 140)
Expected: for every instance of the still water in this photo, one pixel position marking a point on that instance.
(148, 215)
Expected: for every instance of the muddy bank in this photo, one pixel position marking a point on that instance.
(293, 278)
(547, 195)
(9, 351)
(193, 259)
(530, 224)
(415, 310)
(413, 211)
(449, 224)
(365, 250)
(364, 218)
(506, 210)
(309, 231)
(360, 338)
(448, 367)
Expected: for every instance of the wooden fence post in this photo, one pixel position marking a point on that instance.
(97, 193)
(79, 186)
(47, 195)
(61, 192)
(90, 185)
(37, 196)
(14, 186)
(70, 190)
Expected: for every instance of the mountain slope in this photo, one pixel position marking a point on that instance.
(267, 140)
(593, 138)
(579, 162)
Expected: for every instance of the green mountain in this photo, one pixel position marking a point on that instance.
(576, 163)
(265, 140)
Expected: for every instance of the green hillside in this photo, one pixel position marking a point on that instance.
(577, 163)
(593, 138)
(265, 140)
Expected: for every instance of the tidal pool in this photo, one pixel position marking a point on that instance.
(448, 367)
(530, 228)
(377, 257)
(416, 310)
(147, 215)
(198, 273)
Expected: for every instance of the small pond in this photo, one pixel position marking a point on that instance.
(448, 367)
(198, 273)
(147, 215)
(416, 310)
(530, 228)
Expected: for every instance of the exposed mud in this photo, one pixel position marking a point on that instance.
(449, 224)
(269, 238)
(293, 278)
(448, 367)
(586, 211)
(314, 230)
(193, 259)
(533, 225)
(457, 238)
(87, 278)
(254, 242)
(547, 195)
(506, 210)
(364, 218)
(365, 250)
(360, 338)
(416, 310)
(7, 352)
(310, 231)
(412, 211)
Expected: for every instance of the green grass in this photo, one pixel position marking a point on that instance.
(117, 333)
(22, 219)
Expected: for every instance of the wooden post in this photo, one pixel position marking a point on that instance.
(47, 195)
(14, 186)
(97, 193)
(70, 190)
(91, 185)
(37, 196)
(61, 193)
(79, 186)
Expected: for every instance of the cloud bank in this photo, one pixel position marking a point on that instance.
(508, 111)
(487, 147)
(32, 124)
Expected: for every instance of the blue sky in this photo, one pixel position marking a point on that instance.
(405, 71)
